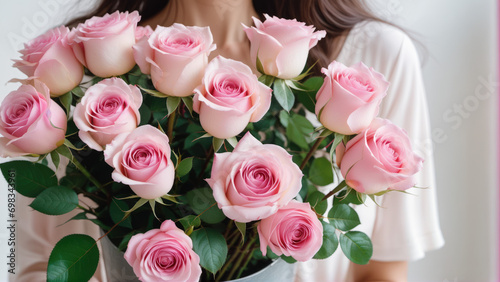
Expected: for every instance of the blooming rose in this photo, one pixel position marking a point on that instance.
(350, 97)
(378, 159)
(141, 159)
(281, 45)
(49, 59)
(164, 254)
(104, 44)
(176, 57)
(108, 108)
(294, 230)
(30, 122)
(230, 96)
(254, 180)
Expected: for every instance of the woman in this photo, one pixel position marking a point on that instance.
(404, 226)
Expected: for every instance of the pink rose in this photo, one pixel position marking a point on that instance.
(378, 159)
(108, 108)
(350, 97)
(282, 45)
(254, 181)
(30, 122)
(143, 32)
(104, 44)
(49, 59)
(141, 159)
(164, 254)
(230, 96)
(294, 230)
(176, 57)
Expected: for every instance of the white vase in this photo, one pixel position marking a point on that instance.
(118, 270)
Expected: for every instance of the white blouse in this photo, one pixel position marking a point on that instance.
(404, 227)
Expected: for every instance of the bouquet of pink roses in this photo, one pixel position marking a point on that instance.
(226, 161)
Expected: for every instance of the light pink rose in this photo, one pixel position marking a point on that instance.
(143, 32)
(350, 97)
(176, 57)
(164, 254)
(282, 45)
(30, 122)
(141, 159)
(49, 59)
(230, 96)
(254, 180)
(294, 230)
(378, 159)
(104, 44)
(108, 108)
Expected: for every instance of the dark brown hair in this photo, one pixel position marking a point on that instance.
(336, 17)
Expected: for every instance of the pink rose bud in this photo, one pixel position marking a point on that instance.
(104, 44)
(108, 108)
(254, 180)
(164, 254)
(350, 97)
(294, 230)
(30, 122)
(378, 159)
(49, 59)
(141, 159)
(176, 57)
(282, 45)
(229, 98)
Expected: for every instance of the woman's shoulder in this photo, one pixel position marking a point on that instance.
(377, 42)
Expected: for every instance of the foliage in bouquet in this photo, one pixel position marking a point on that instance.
(196, 168)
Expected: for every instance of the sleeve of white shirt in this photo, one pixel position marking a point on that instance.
(405, 226)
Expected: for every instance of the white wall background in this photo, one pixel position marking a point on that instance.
(462, 83)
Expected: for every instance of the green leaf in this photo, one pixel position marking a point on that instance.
(211, 246)
(78, 92)
(217, 143)
(30, 178)
(267, 79)
(317, 203)
(343, 217)
(64, 151)
(308, 95)
(284, 118)
(299, 128)
(330, 242)
(172, 104)
(55, 158)
(56, 200)
(66, 100)
(74, 258)
(242, 227)
(288, 259)
(232, 141)
(153, 93)
(283, 94)
(356, 246)
(117, 210)
(190, 221)
(321, 172)
(202, 202)
(184, 167)
(258, 64)
(188, 102)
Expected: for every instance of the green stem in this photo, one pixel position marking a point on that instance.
(243, 254)
(209, 156)
(248, 259)
(231, 259)
(171, 125)
(89, 176)
(311, 152)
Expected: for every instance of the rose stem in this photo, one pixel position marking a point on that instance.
(240, 258)
(209, 156)
(247, 260)
(311, 152)
(233, 257)
(89, 176)
(170, 126)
